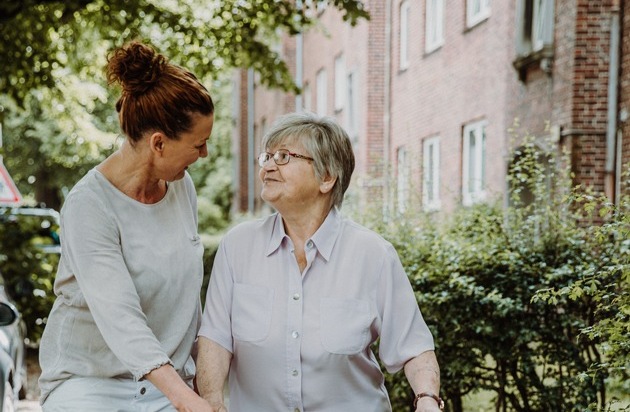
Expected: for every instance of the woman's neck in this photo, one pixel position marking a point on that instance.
(129, 170)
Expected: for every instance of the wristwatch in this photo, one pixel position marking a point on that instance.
(439, 400)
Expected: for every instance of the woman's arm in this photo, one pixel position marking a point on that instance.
(183, 398)
(423, 374)
(213, 365)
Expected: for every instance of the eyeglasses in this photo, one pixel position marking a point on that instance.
(281, 157)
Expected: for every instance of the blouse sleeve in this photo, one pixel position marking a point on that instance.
(91, 243)
(404, 333)
(215, 322)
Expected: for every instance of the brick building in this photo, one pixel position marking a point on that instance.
(429, 89)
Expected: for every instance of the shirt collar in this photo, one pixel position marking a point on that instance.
(324, 238)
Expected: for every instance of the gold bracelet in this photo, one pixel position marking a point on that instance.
(439, 400)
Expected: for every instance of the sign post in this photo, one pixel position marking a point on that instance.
(9, 193)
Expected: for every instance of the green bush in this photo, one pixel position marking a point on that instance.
(528, 302)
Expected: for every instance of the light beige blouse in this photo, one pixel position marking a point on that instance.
(303, 341)
(127, 286)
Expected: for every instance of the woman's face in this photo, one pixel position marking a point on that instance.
(179, 154)
(292, 185)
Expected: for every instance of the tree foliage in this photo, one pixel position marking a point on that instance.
(37, 38)
(56, 112)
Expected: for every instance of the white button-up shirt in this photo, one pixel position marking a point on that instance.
(301, 341)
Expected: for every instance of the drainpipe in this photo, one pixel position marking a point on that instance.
(613, 82)
(250, 140)
(387, 197)
(299, 64)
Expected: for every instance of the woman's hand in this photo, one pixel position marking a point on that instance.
(183, 397)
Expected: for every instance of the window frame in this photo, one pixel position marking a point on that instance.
(340, 80)
(431, 188)
(472, 18)
(403, 58)
(434, 24)
(402, 179)
(307, 98)
(352, 90)
(534, 35)
(321, 103)
(476, 193)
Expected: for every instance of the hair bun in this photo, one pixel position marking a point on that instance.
(136, 66)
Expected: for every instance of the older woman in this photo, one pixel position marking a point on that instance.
(296, 299)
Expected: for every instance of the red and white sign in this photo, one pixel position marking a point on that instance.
(9, 193)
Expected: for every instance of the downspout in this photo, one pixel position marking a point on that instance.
(250, 140)
(387, 197)
(299, 64)
(612, 103)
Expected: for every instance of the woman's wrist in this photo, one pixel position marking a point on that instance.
(427, 398)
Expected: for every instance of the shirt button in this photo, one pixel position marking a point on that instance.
(143, 390)
(295, 334)
(296, 296)
(295, 372)
(296, 410)
(309, 244)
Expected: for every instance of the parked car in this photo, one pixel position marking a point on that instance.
(29, 255)
(12, 353)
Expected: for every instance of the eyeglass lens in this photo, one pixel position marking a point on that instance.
(280, 157)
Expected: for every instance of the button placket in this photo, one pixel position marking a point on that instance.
(294, 326)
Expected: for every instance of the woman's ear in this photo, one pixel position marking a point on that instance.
(327, 184)
(156, 143)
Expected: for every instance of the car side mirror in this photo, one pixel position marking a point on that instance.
(8, 314)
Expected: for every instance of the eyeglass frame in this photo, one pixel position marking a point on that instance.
(269, 156)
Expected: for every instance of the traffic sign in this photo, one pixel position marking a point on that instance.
(9, 193)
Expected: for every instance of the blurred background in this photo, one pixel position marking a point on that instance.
(492, 143)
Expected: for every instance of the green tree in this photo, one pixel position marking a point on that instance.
(56, 111)
(38, 37)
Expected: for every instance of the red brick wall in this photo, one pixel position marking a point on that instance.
(469, 78)
(590, 91)
(574, 96)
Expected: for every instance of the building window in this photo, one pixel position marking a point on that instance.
(404, 35)
(322, 92)
(402, 180)
(431, 173)
(434, 25)
(534, 35)
(307, 98)
(353, 106)
(474, 163)
(477, 11)
(340, 83)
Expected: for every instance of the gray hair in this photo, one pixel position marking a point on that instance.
(325, 141)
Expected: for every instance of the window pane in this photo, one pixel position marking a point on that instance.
(404, 34)
(321, 93)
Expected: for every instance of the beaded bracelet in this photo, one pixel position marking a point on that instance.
(439, 400)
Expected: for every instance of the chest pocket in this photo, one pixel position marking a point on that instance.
(344, 325)
(251, 312)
